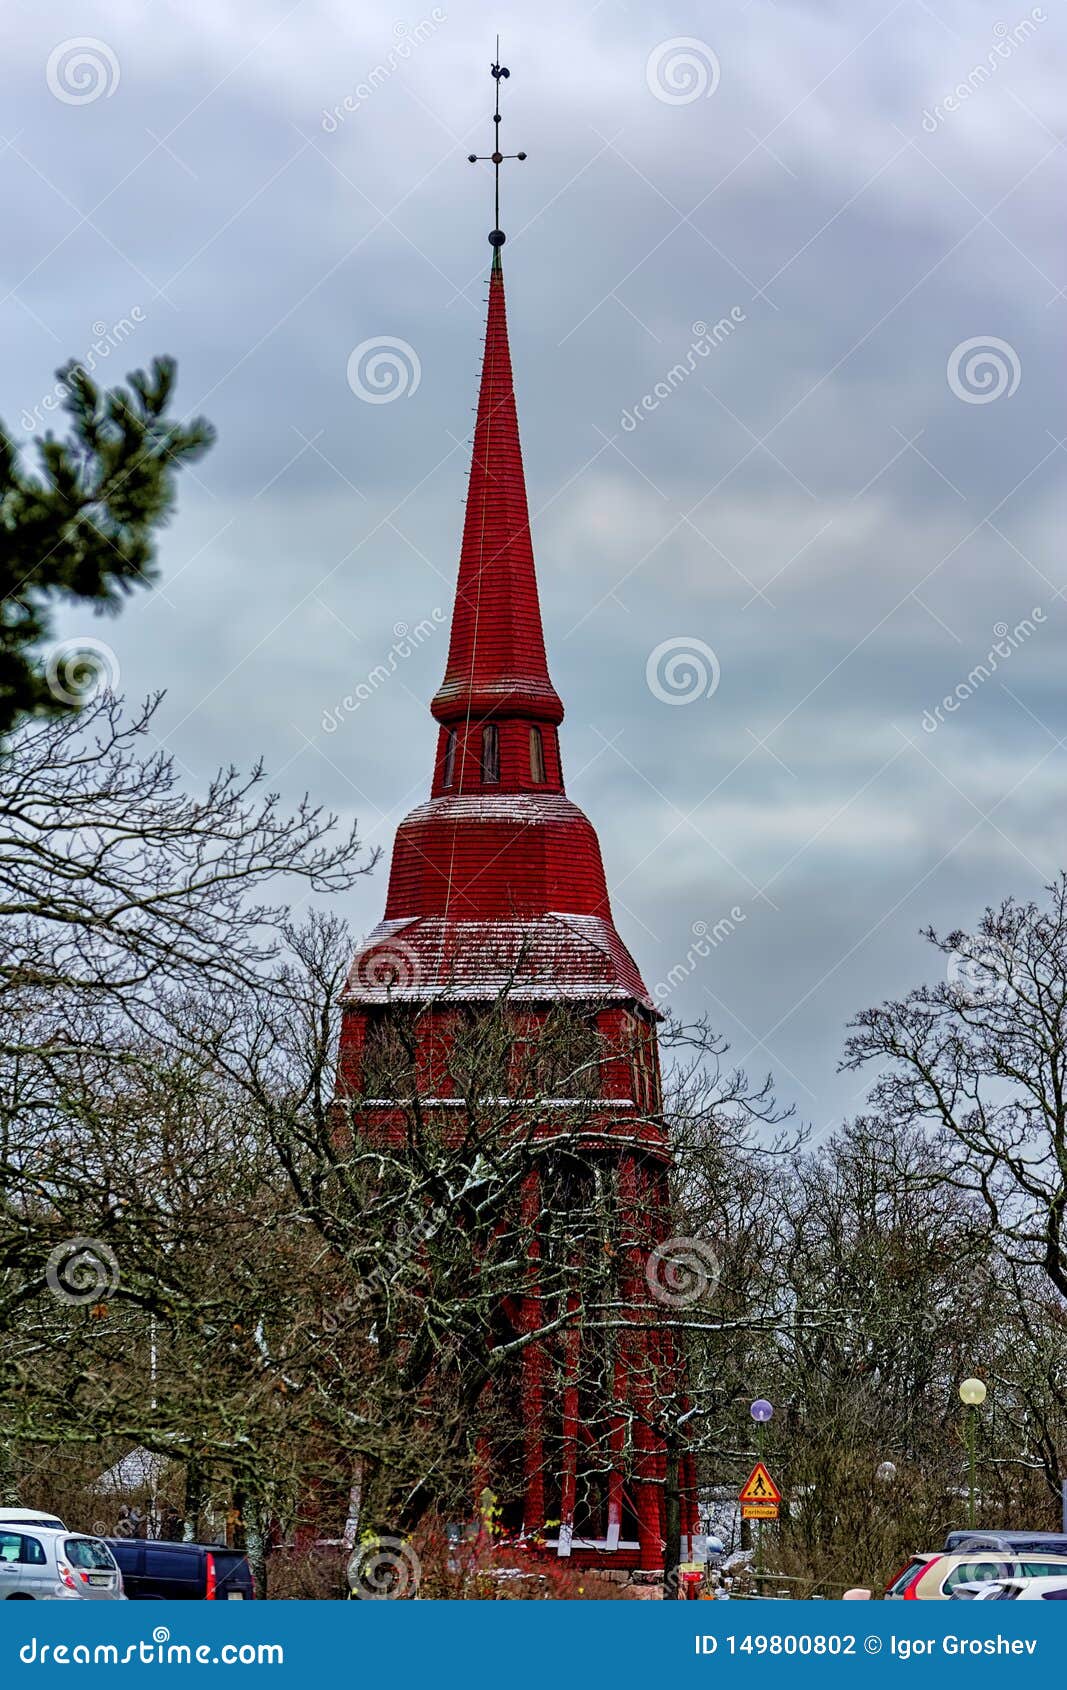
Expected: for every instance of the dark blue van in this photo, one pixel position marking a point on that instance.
(198, 1572)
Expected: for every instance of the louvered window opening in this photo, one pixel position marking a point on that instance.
(537, 757)
(448, 773)
(490, 754)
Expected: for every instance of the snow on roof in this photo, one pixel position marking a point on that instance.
(558, 955)
(139, 1469)
(526, 807)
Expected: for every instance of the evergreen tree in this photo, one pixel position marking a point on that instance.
(81, 525)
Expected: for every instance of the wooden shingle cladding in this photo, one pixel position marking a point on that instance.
(496, 654)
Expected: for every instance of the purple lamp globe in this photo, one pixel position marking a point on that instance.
(761, 1410)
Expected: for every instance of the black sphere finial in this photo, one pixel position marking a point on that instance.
(497, 237)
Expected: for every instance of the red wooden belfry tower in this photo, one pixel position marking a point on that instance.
(497, 884)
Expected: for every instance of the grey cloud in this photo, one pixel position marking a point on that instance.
(320, 522)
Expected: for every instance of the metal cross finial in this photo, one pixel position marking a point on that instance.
(496, 158)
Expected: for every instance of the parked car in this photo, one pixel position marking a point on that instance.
(1016, 1543)
(39, 1564)
(30, 1517)
(936, 1576)
(205, 1572)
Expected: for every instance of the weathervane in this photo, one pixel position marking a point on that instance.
(496, 157)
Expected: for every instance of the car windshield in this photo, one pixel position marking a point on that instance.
(90, 1553)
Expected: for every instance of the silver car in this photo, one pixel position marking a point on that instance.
(39, 1564)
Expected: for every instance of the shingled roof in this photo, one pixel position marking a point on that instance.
(497, 882)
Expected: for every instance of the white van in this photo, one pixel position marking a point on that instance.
(30, 1517)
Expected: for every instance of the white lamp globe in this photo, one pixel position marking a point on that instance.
(973, 1393)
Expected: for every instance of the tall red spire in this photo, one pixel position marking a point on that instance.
(496, 658)
(499, 863)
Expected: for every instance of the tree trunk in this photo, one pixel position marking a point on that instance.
(355, 1504)
(9, 1490)
(239, 1519)
(194, 1501)
(256, 1548)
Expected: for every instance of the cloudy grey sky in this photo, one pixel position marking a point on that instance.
(834, 498)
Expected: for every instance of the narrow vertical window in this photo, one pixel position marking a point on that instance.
(537, 757)
(490, 754)
(448, 772)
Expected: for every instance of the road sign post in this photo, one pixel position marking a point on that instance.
(760, 1500)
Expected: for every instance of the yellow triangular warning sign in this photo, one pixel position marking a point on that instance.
(759, 1486)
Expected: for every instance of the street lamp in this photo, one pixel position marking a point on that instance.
(972, 1395)
(761, 1411)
